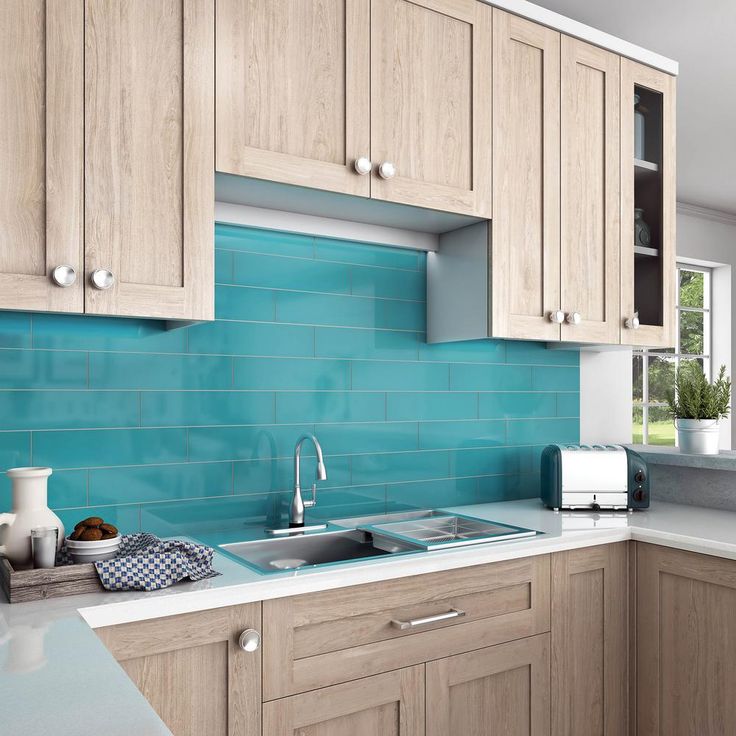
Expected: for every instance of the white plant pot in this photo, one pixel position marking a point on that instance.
(698, 436)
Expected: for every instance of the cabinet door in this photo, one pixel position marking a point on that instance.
(389, 705)
(431, 103)
(502, 689)
(293, 91)
(192, 671)
(590, 641)
(41, 152)
(685, 642)
(149, 157)
(590, 191)
(647, 184)
(525, 247)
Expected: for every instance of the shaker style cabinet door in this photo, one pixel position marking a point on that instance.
(431, 104)
(41, 155)
(293, 91)
(525, 242)
(149, 158)
(590, 191)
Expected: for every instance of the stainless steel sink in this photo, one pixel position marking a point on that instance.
(293, 553)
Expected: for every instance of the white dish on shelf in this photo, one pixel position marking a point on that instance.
(102, 549)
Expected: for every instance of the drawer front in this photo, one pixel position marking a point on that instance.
(325, 638)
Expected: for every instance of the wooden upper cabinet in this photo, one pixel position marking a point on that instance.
(41, 153)
(525, 243)
(149, 157)
(293, 91)
(590, 190)
(431, 103)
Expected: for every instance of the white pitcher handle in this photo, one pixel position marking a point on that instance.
(6, 519)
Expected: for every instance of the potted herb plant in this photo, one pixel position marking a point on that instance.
(697, 406)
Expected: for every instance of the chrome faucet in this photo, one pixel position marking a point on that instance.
(296, 510)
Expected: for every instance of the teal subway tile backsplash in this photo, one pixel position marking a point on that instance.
(143, 424)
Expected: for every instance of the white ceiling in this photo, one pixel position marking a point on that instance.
(701, 36)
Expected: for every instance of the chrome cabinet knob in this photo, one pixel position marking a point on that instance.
(64, 276)
(573, 318)
(363, 166)
(249, 640)
(387, 170)
(557, 316)
(102, 279)
(632, 323)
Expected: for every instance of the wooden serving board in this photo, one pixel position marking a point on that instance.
(33, 585)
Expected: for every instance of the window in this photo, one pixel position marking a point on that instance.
(654, 370)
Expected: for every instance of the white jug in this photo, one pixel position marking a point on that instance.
(30, 509)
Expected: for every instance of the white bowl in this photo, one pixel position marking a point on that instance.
(102, 549)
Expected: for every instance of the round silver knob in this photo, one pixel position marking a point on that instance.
(632, 323)
(102, 279)
(557, 316)
(64, 276)
(573, 318)
(249, 640)
(387, 170)
(363, 166)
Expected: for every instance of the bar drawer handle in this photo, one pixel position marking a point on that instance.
(413, 623)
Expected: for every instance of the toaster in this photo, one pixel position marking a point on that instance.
(593, 477)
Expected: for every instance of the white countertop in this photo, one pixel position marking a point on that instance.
(53, 668)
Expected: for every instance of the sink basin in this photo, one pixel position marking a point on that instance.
(298, 552)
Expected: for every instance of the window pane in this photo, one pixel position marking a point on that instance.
(661, 427)
(699, 361)
(661, 375)
(638, 433)
(638, 377)
(692, 284)
(691, 333)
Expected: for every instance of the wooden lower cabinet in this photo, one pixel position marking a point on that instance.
(502, 689)
(685, 643)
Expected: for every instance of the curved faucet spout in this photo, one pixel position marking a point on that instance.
(298, 505)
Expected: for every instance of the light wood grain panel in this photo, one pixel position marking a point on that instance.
(41, 152)
(502, 689)
(192, 671)
(663, 335)
(590, 641)
(390, 705)
(590, 191)
(149, 120)
(293, 91)
(504, 601)
(431, 103)
(525, 243)
(686, 643)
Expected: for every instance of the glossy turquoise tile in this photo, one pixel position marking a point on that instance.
(294, 407)
(388, 283)
(15, 450)
(223, 268)
(249, 443)
(335, 342)
(431, 406)
(291, 374)
(498, 405)
(401, 466)
(365, 254)
(537, 353)
(385, 376)
(254, 240)
(568, 405)
(125, 517)
(267, 476)
(466, 377)
(100, 448)
(244, 303)
(159, 483)
(298, 274)
(339, 503)
(457, 435)
(345, 439)
(15, 330)
(42, 369)
(433, 493)
(76, 332)
(243, 338)
(553, 378)
(508, 487)
(68, 488)
(489, 461)
(538, 431)
(68, 409)
(197, 408)
(471, 351)
(140, 371)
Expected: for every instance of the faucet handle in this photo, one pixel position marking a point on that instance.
(313, 501)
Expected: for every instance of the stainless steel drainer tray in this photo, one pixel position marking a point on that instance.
(441, 532)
